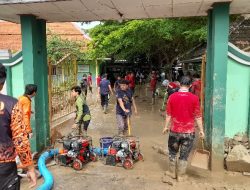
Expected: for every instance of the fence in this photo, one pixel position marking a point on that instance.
(62, 76)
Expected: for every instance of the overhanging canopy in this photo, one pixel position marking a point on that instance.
(90, 10)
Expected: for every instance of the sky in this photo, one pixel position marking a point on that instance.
(88, 25)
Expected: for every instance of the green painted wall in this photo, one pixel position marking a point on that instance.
(92, 69)
(238, 96)
(17, 80)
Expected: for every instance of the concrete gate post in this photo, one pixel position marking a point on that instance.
(216, 78)
(35, 71)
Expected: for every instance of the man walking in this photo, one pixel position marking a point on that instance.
(123, 107)
(25, 102)
(104, 90)
(13, 140)
(89, 80)
(196, 85)
(153, 83)
(183, 110)
(83, 116)
(84, 86)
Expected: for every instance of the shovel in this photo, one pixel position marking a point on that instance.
(201, 158)
(129, 126)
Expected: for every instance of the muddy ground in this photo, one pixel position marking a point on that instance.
(146, 175)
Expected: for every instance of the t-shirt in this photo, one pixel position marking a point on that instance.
(98, 80)
(196, 88)
(183, 107)
(131, 82)
(84, 84)
(153, 82)
(104, 86)
(126, 97)
(89, 80)
(172, 85)
(117, 85)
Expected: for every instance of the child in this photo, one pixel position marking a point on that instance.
(83, 116)
(123, 107)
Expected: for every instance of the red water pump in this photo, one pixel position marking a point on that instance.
(76, 152)
(124, 150)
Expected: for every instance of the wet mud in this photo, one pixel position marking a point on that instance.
(147, 174)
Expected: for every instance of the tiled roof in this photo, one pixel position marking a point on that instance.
(10, 33)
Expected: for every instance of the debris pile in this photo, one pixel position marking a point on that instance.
(237, 153)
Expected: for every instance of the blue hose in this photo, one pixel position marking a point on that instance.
(48, 178)
(100, 151)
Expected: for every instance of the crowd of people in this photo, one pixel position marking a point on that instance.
(182, 112)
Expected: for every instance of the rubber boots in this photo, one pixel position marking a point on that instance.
(105, 109)
(85, 134)
(181, 170)
(170, 175)
(120, 132)
(125, 132)
(153, 101)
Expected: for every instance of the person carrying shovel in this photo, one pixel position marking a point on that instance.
(123, 107)
(183, 110)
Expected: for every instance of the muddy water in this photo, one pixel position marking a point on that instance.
(147, 125)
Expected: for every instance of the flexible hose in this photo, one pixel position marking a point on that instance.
(48, 178)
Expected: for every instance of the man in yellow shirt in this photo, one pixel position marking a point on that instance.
(25, 102)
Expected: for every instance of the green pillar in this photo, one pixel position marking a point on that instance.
(9, 82)
(215, 109)
(208, 84)
(35, 71)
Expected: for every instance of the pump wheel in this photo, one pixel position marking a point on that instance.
(128, 164)
(77, 164)
(140, 157)
(93, 157)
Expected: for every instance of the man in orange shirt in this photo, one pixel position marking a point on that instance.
(25, 102)
(13, 141)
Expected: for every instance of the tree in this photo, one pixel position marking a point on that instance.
(161, 41)
(57, 48)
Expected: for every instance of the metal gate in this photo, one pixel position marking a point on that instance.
(62, 76)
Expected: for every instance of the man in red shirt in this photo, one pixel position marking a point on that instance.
(89, 80)
(132, 82)
(196, 85)
(183, 110)
(127, 76)
(153, 82)
(98, 80)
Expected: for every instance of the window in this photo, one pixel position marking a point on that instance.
(83, 68)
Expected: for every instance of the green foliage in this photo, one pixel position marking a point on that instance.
(158, 39)
(57, 48)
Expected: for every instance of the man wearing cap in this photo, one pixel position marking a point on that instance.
(125, 101)
(13, 140)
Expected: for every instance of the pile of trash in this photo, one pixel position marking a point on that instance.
(237, 153)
